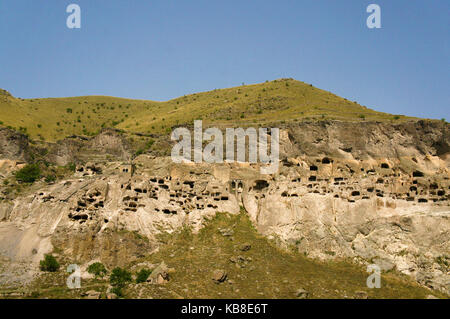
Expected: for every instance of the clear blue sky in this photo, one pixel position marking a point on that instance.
(163, 49)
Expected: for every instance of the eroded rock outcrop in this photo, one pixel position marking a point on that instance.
(374, 199)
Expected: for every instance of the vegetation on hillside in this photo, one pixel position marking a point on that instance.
(255, 266)
(49, 263)
(278, 101)
(97, 269)
(28, 174)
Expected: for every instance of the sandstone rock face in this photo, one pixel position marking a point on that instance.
(13, 145)
(366, 140)
(74, 149)
(378, 194)
(108, 144)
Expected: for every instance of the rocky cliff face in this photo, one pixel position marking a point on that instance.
(109, 144)
(367, 139)
(373, 192)
(13, 145)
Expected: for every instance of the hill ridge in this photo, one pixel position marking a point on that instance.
(286, 100)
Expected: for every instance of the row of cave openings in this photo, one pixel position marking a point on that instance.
(185, 199)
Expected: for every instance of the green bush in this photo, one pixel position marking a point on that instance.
(118, 291)
(49, 263)
(97, 269)
(149, 143)
(142, 275)
(50, 178)
(71, 166)
(139, 152)
(119, 277)
(29, 173)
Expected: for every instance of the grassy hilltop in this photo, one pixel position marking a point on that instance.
(270, 102)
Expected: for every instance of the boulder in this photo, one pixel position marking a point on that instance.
(92, 294)
(302, 293)
(160, 275)
(219, 276)
(361, 295)
(111, 296)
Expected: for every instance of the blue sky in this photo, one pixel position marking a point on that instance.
(163, 49)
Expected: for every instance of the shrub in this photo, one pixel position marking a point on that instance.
(35, 294)
(396, 117)
(118, 291)
(49, 263)
(50, 178)
(71, 167)
(28, 174)
(97, 269)
(149, 143)
(142, 275)
(119, 277)
(69, 110)
(139, 152)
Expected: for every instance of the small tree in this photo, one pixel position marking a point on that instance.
(142, 275)
(49, 263)
(97, 269)
(28, 174)
(119, 278)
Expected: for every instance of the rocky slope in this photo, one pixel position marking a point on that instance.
(372, 192)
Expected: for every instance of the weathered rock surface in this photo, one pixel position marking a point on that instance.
(377, 193)
(13, 145)
(219, 276)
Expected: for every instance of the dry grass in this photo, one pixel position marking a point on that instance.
(267, 272)
(282, 100)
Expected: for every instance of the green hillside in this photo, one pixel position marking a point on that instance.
(261, 271)
(270, 102)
